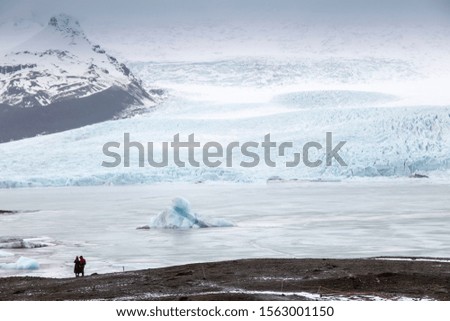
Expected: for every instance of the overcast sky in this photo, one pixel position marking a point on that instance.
(175, 29)
(322, 11)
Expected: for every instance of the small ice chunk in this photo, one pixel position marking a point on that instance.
(4, 254)
(23, 263)
(24, 243)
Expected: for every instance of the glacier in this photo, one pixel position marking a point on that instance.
(392, 107)
(389, 133)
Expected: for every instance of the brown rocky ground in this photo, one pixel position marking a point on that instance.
(255, 279)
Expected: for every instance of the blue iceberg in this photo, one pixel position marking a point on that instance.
(180, 215)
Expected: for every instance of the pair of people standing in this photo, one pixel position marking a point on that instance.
(80, 263)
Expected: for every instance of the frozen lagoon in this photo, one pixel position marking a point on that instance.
(396, 217)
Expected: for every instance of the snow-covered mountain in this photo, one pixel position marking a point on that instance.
(59, 80)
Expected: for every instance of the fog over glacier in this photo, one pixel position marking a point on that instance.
(201, 29)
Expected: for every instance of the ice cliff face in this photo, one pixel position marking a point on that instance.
(57, 68)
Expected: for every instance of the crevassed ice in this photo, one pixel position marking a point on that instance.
(393, 128)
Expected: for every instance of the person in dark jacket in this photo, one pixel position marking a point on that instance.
(82, 265)
(77, 269)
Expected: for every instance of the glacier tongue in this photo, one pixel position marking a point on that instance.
(381, 142)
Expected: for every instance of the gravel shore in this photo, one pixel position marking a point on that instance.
(253, 279)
